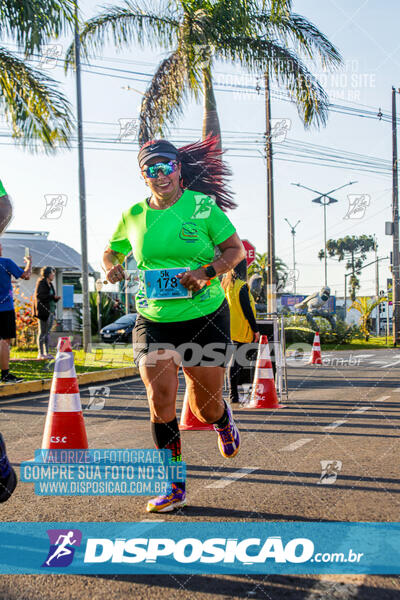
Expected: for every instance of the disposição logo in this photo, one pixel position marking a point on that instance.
(62, 547)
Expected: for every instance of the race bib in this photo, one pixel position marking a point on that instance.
(163, 284)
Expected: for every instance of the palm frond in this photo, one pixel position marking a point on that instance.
(296, 29)
(262, 55)
(279, 7)
(164, 98)
(125, 25)
(40, 116)
(32, 23)
(365, 305)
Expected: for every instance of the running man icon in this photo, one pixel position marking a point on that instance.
(62, 549)
(61, 553)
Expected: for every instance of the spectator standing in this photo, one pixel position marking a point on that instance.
(244, 328)
(45, 300)
(8, 331)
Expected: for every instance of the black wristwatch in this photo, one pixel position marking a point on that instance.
(210, 271)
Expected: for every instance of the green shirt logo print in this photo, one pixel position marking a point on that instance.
(203, 208)
(189, 233)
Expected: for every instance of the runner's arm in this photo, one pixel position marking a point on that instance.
(232, 253)
(28, 268)
(112, 265)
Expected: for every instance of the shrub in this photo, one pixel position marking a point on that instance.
(297, 330)
(26, 323)
(343, 333)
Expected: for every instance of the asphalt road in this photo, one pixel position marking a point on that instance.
(345, 412)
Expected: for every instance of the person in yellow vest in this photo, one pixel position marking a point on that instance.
(244, 328)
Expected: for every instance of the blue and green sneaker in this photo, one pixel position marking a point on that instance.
(168, 502)
(228, 436)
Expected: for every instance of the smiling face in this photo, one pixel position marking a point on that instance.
(163, 187)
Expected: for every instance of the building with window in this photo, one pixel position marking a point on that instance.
(49, 253)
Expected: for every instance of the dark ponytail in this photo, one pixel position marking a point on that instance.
(204, 171)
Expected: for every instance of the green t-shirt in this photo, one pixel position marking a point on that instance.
(183, 235)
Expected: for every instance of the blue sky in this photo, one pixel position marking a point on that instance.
(366, 36)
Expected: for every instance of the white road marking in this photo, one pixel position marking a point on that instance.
(335, 424)
(295, 445)
(363, 355)
(379, 362)
(382, 398)
(361, 409)
(228, 479)
(153, 521)
(396, 362)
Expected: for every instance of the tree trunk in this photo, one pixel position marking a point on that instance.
(353, 290)
(210, 116)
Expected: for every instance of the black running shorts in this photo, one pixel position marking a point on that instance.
(204, 341)
(7, 325)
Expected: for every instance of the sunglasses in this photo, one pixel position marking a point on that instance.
(165, 168)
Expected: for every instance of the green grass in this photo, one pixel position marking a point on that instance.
(103, 356)
(374, 343)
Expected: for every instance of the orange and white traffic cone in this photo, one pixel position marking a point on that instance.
(189, 422)
(64, 427)
(264, 392)
(316, 358)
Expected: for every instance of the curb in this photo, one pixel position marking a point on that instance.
(41, 385)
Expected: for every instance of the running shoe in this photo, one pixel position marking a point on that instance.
(168, 502)
(8, 478)
(228, 437)
(10, 378)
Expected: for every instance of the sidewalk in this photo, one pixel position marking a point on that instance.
(40, 385)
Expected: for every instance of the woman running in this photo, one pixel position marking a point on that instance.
(182, 309)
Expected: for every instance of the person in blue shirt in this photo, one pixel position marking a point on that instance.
(8, 330)
(8, 477)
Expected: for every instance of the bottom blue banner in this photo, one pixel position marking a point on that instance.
(195, 548)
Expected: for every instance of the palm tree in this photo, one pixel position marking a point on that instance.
(37, 112)
(260, 36)
(39, 115)
(365, 306)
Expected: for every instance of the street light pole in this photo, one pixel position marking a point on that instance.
(325, 200)
(293, 232)
(82, 192)
(271, 288)
(325, 252)
(99, 287)
(395, 217)
(378, 325)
